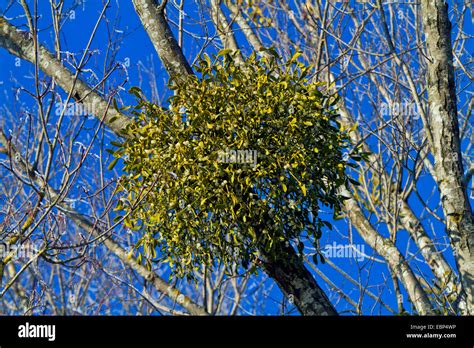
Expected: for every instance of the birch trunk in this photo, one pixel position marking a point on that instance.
(443, 123)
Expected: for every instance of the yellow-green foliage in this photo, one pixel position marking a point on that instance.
(190, 208)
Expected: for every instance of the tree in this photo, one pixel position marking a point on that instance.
(411, 122)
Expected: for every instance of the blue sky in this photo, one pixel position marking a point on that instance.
(134, 49)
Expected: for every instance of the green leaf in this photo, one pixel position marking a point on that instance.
(327, 224)
(135, 91)
(116, 107)
(323, 260)
(300, 247)
(112, 164)
(295, 56)
(224, 51)
(207, 59)
(272, 51)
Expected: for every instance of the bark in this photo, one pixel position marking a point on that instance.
(21, 44)
(153, 19)
(298, 284)
(435, 259)
(224, 29)
(246, 29)
(443, 123)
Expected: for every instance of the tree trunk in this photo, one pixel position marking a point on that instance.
(153, 19)
(297, 283)
(443, 124)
